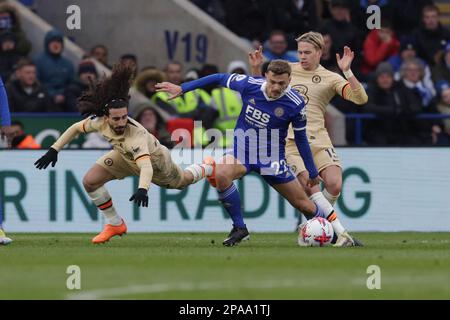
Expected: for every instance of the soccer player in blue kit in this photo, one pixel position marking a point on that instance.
(5, 117)
(269, 106)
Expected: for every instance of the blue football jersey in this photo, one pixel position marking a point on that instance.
(263, 124)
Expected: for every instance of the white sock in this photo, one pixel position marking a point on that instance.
(331, 199)
(102, 199)
(337, 226)
(319, 199)
(200, 171)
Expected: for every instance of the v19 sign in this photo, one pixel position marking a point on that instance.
(194, 47)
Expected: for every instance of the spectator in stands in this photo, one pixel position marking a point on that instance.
(100, 53)
(277, 46)
(25, 93)
(213, 7)
(442, 70)
(412, 77)
(54, 71)
(8, 55)
(187, 105)
(379, 46)
(145, 84)
(395, 107)
(406, 14)
(21, 140)
(174, 72)
(408, 51)
(130, 60)
(431, 35)
(343, 32)
(146, 81)
(412, 73)
(190, 105)
(250, 19)
(294, 17)
(10, 22)
(328, 59)
(228, 104)
(87, 73)
(153, 122)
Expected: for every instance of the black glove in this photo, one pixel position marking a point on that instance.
(140, 198)
(50, 157)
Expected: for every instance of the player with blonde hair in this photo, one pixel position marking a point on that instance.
(318, 86)
(135, 152)
(270, 106)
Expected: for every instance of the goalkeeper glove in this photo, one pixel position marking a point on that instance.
(50, 157)
(140, 198)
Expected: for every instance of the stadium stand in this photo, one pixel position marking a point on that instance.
(318, 13)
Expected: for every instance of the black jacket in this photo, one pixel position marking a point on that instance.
(396, 110)
(72, 93)
(406, 14)
(8, 61)
(429, 42)
(21, 101)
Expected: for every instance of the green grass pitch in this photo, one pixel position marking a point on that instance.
(197, 266)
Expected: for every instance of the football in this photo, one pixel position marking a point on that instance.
(317, 232)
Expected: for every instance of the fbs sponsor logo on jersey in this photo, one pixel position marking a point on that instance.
(257, 117)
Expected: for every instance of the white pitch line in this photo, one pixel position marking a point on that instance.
(187, 286)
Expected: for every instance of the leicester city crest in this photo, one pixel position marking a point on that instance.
(279, 112)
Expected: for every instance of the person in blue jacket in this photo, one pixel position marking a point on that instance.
(54, 71)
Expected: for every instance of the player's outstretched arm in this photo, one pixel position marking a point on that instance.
(176, 91)
(145, 177)
(357, 94)
(52, 154)
(301, 140)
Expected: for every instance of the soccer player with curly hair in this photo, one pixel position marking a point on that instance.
(135, 152)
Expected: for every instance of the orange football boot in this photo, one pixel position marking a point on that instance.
(110, 231)
(212, 178)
